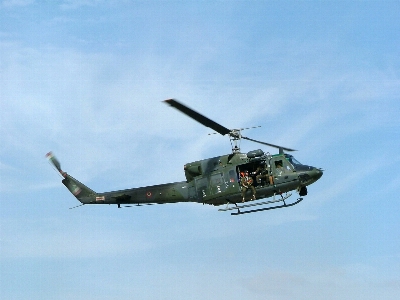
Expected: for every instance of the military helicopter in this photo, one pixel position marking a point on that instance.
(216, 181)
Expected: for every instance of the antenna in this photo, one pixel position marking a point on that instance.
(77, 206)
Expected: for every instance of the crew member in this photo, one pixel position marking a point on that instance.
(261, 173)
(247, 183)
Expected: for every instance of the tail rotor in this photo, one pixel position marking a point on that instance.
(55, 163)
(78, 189)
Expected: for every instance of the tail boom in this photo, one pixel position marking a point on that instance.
(157, 194)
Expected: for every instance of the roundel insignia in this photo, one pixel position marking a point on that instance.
(148, 194)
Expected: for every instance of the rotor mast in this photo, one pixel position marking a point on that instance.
(235, 136)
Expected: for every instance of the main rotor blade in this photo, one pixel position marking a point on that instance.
(271, 145)
(198, 117)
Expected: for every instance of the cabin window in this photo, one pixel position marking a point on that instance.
(232, 176)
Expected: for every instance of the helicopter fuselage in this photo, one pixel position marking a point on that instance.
(213, 181)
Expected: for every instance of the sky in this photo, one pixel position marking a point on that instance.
(86, 79)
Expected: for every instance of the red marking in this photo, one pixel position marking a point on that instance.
(76, 191)
(148, 194)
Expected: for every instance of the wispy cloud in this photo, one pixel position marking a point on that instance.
(70, 242)
(344, 282)
(75, 4)
(16, 3)
(85, 79)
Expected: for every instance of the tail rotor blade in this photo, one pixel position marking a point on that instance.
(53, 160)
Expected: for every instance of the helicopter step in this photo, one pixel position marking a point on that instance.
(282, 199)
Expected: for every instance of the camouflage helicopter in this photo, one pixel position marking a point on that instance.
(237, 180)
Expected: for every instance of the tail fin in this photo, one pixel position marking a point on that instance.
(78, 189)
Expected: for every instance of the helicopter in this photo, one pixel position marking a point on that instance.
(241, 181)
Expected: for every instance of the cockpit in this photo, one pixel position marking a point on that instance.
(298, 166)
(307, 174)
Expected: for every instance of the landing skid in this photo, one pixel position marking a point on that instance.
(238, 207)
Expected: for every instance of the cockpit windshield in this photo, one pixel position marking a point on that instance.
(292, 160)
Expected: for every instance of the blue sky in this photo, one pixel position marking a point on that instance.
(86, 79)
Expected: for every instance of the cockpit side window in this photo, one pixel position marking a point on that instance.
(283, 166)
(288, 166)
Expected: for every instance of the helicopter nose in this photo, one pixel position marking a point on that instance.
(318, 173)
(311, 175)
(315, 174)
